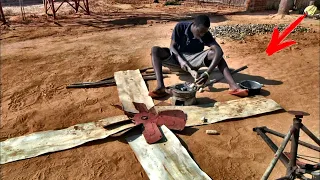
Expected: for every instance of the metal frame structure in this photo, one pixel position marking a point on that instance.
(3, 19)
(295, 168)
(49, 5)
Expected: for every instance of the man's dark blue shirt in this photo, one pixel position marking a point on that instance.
(186, 43)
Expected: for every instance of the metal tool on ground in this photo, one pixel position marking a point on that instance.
(211, 82)
(164, 71)
(110, 81)
(295, 168)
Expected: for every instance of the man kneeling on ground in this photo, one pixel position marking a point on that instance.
(187, 50)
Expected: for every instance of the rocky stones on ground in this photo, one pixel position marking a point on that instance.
(240, 31)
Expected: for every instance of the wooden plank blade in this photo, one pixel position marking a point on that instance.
(221, 111)
(38, 143)
(132, 88)
(166, 160)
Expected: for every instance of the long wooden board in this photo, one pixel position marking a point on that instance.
(220, 111)
(166, 160)
(38, 143)
(132, 88)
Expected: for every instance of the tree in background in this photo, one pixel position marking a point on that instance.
(284, 7)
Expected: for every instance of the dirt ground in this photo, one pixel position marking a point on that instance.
(40, 58)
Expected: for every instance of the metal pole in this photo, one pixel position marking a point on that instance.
(272, 146)
(277, 155)
(310, 134)
(22, 10)
(2, 14)
(300, 142)
(294, 147)
(53, 9)
(87, 7)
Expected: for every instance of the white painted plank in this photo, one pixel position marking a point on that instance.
(166, 160)
(132, 88)
(38, 143)
(220, 111)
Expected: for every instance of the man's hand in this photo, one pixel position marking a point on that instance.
(183, 64)
(202, 79)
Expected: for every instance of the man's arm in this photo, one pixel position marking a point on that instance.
(175, 51)
(218, 54)
(182, 61)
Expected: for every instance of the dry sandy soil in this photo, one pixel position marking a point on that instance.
(40, 58)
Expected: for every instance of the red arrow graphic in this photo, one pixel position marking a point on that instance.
(275, 44)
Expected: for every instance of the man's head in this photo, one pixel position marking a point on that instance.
(200, 26)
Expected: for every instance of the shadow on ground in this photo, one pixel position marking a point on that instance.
(133, 19)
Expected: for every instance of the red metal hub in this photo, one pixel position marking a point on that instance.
(151, 120)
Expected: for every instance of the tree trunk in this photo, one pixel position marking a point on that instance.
(284, 7)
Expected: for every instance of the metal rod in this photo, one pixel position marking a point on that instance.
(272, 146)
(45, 6)
(109, 82)
(87, 6)
(300, 142)
(277, 155)
(2, 14)
(310, 134)
(232, 72)
(294, 147)
(60, 5)
(53, 9)
(22, 10)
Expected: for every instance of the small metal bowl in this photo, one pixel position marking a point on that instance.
(254, 87)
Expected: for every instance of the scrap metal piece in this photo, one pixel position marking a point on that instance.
(151, 133)
(298, 114)
(173, 119)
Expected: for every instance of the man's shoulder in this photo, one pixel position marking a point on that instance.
(183, 24)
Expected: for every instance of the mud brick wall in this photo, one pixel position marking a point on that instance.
(16, 2)
(257, 5)
(225, 2)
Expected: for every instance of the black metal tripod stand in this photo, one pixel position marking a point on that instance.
(295, 169)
